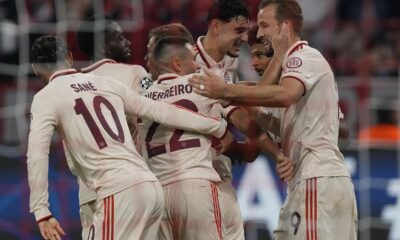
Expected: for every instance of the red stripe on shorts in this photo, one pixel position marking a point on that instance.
(217, 211)
(112, 217)
(311, 209)
(104, 219)
(315, 206)
(307, 189)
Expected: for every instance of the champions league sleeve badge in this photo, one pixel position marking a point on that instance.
(146, 82)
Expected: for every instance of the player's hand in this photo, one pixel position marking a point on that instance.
(51, 229)
(280, 41)
(209, 85)
(284, 167)
(222, 145)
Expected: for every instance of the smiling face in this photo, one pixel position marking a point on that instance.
(117, 46)
(259, 60)
(267, 23)
(231, 35)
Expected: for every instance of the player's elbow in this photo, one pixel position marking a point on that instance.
(285, 100)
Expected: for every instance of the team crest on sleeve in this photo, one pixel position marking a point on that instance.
(146, 82)
(294, 62)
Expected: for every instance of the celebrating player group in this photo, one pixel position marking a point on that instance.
(153, 151)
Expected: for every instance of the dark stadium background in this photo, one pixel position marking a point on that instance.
(360, 39)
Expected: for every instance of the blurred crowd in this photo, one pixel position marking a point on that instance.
(360, 38)
(355, 36)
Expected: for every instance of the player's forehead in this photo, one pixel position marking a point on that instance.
(258, 48)
(239, 23)
(266, 14)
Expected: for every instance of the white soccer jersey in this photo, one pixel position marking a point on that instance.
(226, 69)
(131, 75)
(173, 154)
(88, 112)
(309, 127)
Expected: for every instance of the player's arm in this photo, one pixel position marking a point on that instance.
(173, 116)
(290, 90)
(243, 121)
(265, 120)
(43, 121)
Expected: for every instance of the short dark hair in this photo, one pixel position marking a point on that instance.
(49, 51)
(252, 34)
(172, 29)
(286, 10)
(225, 10)
(160, 49)
(86, 34)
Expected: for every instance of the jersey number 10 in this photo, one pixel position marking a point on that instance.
(98, 101)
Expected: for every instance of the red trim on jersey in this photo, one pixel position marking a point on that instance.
(165, 79)
(231, 111)
(202, 56)
(62, 73)
(297, 47)
(217, 210)
(301, 81)
(226, 131)
(97, 65)
(44, 219)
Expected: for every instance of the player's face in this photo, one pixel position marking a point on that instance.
(267, 24)
(232, 34)
(117, 46)
(189, 64)
(259, 60)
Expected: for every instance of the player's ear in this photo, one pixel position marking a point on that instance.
(70, 58)
(214, 26)
(176, 65)
(34, 69)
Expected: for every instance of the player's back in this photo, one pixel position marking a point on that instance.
(174, 154)
(90, 115)
(131, 75)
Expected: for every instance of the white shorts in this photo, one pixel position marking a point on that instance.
(134, 213)
(86, 212)
(192, 211)
(231, 214)
(319, 208)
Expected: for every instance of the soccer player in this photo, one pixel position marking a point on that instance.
(259, 58)
(110, 57)
(228, 23)
(182, 161)
(88, 112)
(321, 200)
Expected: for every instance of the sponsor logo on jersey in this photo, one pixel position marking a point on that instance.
(294, 62)
(226, 77)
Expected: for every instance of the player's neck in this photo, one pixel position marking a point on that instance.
(211, 47)
(293, 40)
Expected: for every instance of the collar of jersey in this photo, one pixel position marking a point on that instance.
(62, 72)
(207, 59)
(96, 65)
(166, 77)
(295, 47)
